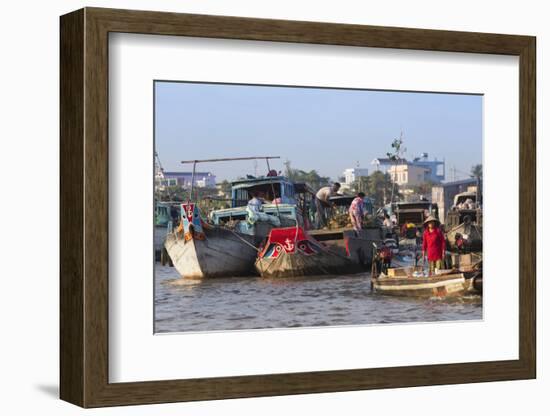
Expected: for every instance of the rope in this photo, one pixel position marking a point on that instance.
(242, 239)
(225, 253)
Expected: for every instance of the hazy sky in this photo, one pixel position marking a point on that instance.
(324, 129)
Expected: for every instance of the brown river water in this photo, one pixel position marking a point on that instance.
(254, 303)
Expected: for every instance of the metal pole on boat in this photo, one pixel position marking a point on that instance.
(273, 189)
(226, 159)
(192, 180)
(230, 159)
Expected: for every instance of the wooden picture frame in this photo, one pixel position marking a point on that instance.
(84, 207)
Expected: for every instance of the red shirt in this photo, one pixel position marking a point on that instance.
(433, 244)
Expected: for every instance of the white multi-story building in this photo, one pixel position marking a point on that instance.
(407, 174)
(434, 169)
(183, 179)
(352, 174)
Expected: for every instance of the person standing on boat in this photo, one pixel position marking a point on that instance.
(255, 203)
(357, 212)
(254, 211)
(433, 244)
(322, 202)
(254, 208)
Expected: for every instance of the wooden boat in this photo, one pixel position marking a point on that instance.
(199, 250)
(162, 219)
(341, 238)
(475, 279)
(464, 223)
(357, 246)
(471, 265)
(466, 236)
(291, 252)
(159, 235)
(404, 282)
(203, 250)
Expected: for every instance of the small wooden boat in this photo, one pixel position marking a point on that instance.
(291, 252)
(471, 265)
(199, 250)
(466, 236)
(475, 279)
(162, 219)
(355, 245)
(405, 282)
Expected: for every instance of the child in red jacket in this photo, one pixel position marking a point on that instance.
(433, 244)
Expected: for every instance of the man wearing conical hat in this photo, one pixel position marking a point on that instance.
(433, 244)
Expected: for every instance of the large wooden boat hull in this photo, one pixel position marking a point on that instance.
(356, 246)
(290, 252)
(439, 286)
(299, 265)
(220, 253)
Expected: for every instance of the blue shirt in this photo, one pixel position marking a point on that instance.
(255, 204)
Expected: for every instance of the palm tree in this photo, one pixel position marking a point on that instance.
(477, 171)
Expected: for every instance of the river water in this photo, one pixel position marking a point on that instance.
(253, 303)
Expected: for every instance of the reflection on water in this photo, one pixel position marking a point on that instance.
(253, 303)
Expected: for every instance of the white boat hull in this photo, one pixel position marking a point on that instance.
(439, 286)
(221, 254)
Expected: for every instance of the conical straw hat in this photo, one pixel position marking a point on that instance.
(430, 219)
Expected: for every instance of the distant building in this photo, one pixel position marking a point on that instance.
(183, 179)
(385, 163)
(162, 183)
(408, 175)
(444, 193)
(435, 169)
(353, 174)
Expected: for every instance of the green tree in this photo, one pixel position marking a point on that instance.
(225, 187)
(361, 184)
(312, 177)
(477, 171)
(380, 187)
